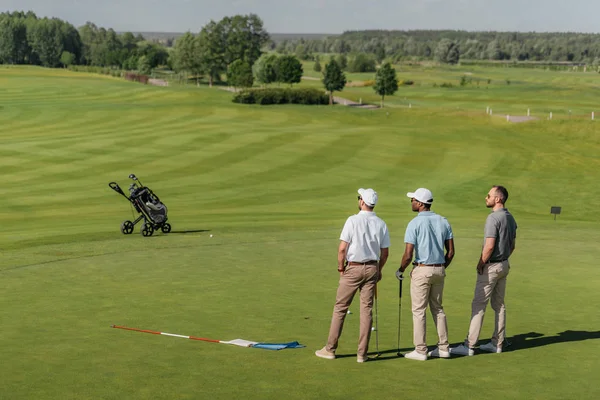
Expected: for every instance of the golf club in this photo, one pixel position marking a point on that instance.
(400, 279)
(376, 325)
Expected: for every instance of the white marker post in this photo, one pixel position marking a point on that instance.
(550, 115)
(487, 110)
(491, 113)
(508, 118)
(592, 115)
(409, 105)
(528, 112)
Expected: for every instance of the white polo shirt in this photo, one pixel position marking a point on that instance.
(366, 234)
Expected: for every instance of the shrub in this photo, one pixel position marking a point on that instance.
(406, 82)
(447, 85)
(281, 96)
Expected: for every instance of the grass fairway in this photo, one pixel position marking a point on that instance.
(274, 185)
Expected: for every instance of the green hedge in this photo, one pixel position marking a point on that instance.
(310, 96)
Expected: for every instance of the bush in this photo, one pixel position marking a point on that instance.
(447, 85)
(309, 96)
(406, 82)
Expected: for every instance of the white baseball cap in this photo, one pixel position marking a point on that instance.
(421, 194)
(369, 196)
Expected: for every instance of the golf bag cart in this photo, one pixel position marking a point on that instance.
(148, 205)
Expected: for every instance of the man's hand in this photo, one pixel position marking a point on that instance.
(480, 269)
(399, 274)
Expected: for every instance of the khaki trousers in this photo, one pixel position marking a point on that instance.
(355, 277)
(427, 287)
(491, 284)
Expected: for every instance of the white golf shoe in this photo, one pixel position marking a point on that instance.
(462, 350)
(490, 348)
(439, 353)
(415, 355)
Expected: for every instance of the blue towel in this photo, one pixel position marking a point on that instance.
(278, 346)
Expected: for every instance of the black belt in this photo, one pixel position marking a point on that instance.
(369, 262)
(496, 261)
(430, 265)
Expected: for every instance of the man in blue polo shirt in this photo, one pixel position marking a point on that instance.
(429, 237)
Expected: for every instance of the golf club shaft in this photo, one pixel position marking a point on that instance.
(376, 322)
(165, 333)
(399, 311)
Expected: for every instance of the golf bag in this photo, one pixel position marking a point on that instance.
(152, 211)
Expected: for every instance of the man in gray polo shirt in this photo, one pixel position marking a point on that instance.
(428, 235)
(500, 236)
(362, 253)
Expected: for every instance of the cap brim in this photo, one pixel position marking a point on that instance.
(410, 194)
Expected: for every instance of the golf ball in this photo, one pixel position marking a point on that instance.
(349, 312)
(210, 235)
(372, 328)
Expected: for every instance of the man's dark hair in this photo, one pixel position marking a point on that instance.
(502, 193)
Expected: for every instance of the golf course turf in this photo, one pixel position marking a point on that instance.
(273, 186)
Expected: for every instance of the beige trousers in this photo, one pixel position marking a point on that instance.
(355, 277)
(491, 284)
(427, 287)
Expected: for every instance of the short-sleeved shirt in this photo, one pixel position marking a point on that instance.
(428, 232)
(502, 226)
(366, 234)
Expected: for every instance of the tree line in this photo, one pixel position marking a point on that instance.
(51, 42)
(419, 45)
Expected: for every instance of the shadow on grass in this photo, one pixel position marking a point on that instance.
(190, 231)
(383, 355)
(533, 339)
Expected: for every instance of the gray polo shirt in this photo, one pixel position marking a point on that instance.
(501, 225)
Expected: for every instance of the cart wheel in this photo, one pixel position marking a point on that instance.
(127, 227)
(147, 230)
(166, 228)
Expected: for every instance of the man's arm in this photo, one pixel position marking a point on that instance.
(486, 253)
(449, 245)
(407, 257)
(383, 257)
(341, 261)
(512, 246)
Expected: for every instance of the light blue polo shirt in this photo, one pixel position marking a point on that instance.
(428, 232)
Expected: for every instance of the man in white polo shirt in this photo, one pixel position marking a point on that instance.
(362, 253)
(428, 235)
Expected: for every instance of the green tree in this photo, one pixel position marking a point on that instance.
(67, 58)
(447, 52)
(264, 69)
(244, 36)
(212, 43)
(143, 66)
(302, 52)
(14, 47)
(380, 52)
(186, 55)
(46, 41)
(342, 61)
(239, 74)
(362, 62)
(333, 79)
(317, 67)
(288, 69)
(386, 81)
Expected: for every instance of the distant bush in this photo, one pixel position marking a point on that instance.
(367, 83)
(447, 85)
(308, 96)
(406, 82)
(362, 63)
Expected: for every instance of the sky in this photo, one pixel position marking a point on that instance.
(325, 16)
